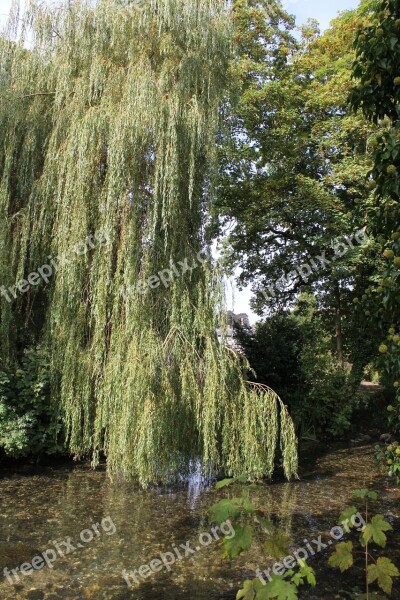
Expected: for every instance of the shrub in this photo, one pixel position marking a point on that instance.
(292, 353)
(29, 424)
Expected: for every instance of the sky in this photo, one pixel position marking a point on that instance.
(322, 10)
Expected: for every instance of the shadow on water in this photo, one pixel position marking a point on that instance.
(44, 505)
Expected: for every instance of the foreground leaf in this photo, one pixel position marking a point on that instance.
(224, 483)
(248, 506)
(373, 495)
(365, 493)
(346, 515)
(242, 479)
(375, 530)
(250, 589)
(266, 525)
(280, 589)
(383, 571)
(342, 557)
(277, 545)
(241, 542)
(224, 510)
(305, 572)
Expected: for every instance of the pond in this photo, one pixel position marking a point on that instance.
(104, 527)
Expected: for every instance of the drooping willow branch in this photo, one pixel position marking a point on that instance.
(37, 94)
(121, 139)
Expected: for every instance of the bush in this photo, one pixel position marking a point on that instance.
(273, 351)
(292, 353)
(329, 401)
(29, 424)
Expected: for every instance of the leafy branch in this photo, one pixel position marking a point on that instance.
(382, 570)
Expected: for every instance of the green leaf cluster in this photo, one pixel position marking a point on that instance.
(249, 522)
(381, 570)
(30, 423)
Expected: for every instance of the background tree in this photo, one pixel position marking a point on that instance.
(293, 180)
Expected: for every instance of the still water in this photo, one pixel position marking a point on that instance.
(44, 506)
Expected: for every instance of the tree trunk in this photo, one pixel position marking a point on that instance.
(339, 331)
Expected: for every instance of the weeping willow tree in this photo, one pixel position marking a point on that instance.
(108, 117)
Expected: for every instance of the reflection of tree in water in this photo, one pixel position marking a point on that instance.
(56, 504)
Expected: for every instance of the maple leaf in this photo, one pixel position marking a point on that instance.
(383, 571)
(375, 530)
(305, 572)
(342, 557)
(241, 542)
(248, 506)
(277, 545)
(224, 510)
(278, 589)
(226, 482)
(366, 493)
(250, 589)
(346, 515)
(265, 524)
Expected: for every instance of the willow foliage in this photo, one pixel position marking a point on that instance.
(108, 117)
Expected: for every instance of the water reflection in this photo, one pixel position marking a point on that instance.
(52, 504)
